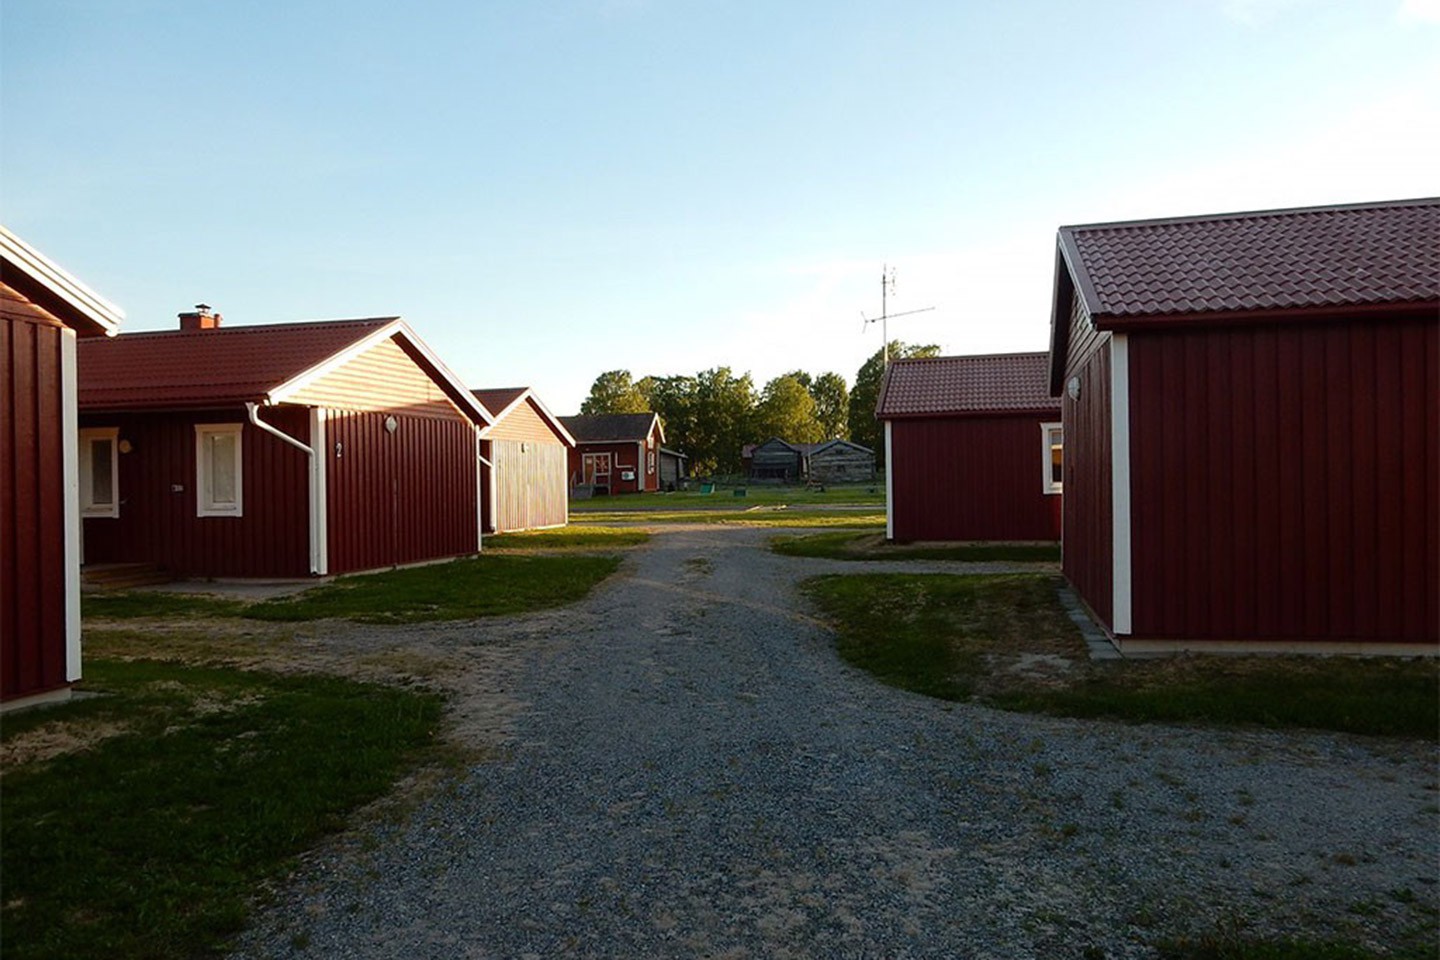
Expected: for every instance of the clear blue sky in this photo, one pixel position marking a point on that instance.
(547, 190)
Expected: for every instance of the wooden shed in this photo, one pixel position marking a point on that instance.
(840, 461)
(277, 451)
(615, 452)
(973, 449)
(1252, 426)
(777, 460)
(45, 310)
(525, 459)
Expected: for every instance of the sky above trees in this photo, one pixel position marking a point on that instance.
(548, 190)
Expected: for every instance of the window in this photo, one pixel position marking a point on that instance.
(219, 486)
(1053, 456)
(650, 462)
(99, 469)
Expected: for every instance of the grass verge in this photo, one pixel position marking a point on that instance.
(844, 545)
(751, 517)
(459, 590)
(1231, 949)
(868, 494)
(1006, 641)
(568, 537)
(150, 841)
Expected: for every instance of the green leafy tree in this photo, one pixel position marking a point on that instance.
(674, 399)
(724, 413)
(787, 411)
(613, 392)
(864, 428)
(832, 406)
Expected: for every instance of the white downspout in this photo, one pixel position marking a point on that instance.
(318, 564)
(479, 513)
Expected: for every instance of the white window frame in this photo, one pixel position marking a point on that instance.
(203, 506)
(88, 506)
(1047, 447)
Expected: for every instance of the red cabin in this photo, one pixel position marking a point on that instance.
(526, 450)
(1252, 427)
(615, 452)
(44, 310)
(972, 449)
(276, 451)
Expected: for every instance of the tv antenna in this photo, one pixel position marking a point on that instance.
(887, 288)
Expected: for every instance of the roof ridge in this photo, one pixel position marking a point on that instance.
(972, 356)
(252, 327)
(1252, 214)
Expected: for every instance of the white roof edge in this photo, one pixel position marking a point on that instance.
(528, 393)
(61, 283)
(395, 327)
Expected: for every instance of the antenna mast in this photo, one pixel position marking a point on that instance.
(887, 286)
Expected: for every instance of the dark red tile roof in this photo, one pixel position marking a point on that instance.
(195, 368)
(498, 398)
(1315, 257)
(940, 386)
(609, 427)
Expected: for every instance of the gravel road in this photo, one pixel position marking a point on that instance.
(684, 768)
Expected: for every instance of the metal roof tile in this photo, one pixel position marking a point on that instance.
(937, 386)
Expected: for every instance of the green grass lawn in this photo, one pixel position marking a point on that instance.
(1235, 949)
(197, 784)
(483, 586)
(868, 494)
(1001, 640)
(568, 537)
(844, 545)
(743, 517)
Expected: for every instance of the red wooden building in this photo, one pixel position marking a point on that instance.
(615, 452)
(1252, 427)
(44, 310)
(972, 447)
(525, 454)
(277, 451)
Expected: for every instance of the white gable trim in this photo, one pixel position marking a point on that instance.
(54, 278)
(550, 418)
(463, 399)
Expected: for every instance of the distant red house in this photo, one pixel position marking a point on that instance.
(973, 449)
(1252, 427)
(615, 452)
(44, 311)
(277, 451)
(526, 456)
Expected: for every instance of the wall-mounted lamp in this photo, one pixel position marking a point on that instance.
(124, 446)
(1073, 388)
(391, 424)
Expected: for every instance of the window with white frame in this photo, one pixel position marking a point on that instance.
(99, 472)
(1053, 456)
(219, 480)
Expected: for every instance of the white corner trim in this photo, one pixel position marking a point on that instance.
(70, 459)
(889, 485)
(319, 494)
(1121, 597)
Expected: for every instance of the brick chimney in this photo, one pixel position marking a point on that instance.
(203, 318)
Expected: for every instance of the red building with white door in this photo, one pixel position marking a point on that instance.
(615, 452)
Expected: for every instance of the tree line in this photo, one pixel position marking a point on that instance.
(711, 415)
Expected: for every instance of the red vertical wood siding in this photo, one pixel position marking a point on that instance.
(1088, 530)
(32, 510)
(971, 478)
(1284, 482)
(624, 455)
(402, 497)
(158, 523)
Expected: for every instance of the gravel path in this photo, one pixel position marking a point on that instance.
(687, 769)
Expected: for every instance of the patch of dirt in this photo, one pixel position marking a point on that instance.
(50, 740)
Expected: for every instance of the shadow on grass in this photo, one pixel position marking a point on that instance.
(473, 587)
